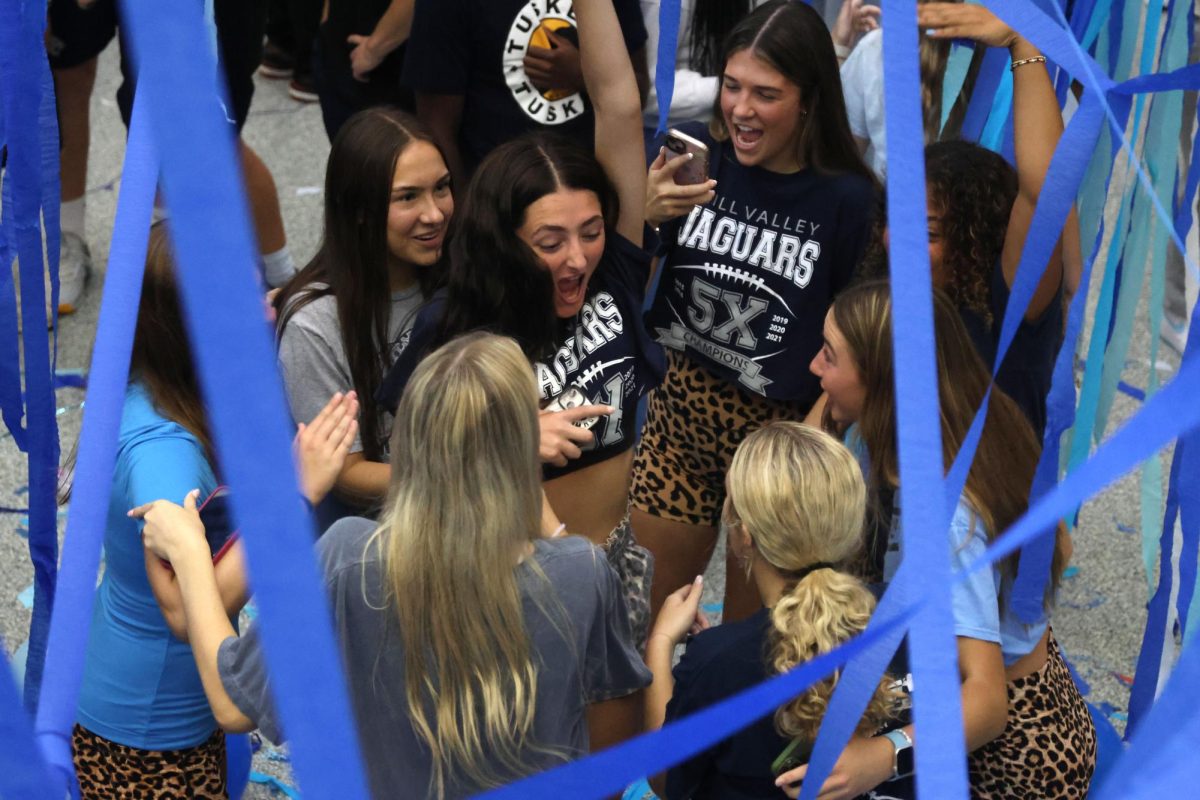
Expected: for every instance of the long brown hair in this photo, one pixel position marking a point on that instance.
(792, 39)
(352, 261)
(997, 487)
(161, 359)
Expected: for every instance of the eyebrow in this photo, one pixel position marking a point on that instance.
(762, 87)
(561, 229)
(418, 188)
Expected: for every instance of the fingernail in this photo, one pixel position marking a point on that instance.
(691, 156)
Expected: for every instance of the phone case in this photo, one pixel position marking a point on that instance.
(217, 516)
(696, 170)
(573, 397)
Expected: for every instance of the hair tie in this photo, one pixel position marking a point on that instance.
(804, 572)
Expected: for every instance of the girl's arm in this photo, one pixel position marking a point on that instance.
(679, 616)
(176, 534)
(230, 575)
(1037, 126)
(867, 760)
(612, 87)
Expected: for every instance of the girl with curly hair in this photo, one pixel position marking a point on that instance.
(979, 214)
(794, 514)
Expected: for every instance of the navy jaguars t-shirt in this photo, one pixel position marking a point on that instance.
(476, 48)
(605, 352)
(749, 276)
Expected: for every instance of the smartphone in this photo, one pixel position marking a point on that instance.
(696, 170)
(797, 753)
(573, 397)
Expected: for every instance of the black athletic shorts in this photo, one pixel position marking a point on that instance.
(76, 35)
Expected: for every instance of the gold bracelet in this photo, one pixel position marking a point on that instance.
(1024, 61)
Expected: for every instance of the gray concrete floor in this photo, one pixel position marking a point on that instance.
(1101, 610)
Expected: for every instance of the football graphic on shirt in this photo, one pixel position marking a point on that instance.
(531, 28)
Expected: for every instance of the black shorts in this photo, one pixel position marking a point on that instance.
(76, 35)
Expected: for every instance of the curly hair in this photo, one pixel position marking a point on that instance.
(973, 190)
(825, 609)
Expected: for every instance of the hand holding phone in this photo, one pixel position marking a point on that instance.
(695, 171)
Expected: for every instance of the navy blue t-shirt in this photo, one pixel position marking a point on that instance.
(475, 48)
(606, 353)
(1028, 367)
(717, 664)
(749, 276)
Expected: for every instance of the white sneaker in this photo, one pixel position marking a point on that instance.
(74, 269)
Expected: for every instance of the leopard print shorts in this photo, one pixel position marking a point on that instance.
(110, 771)
(694, 423)
(634, 565)
(1048, 748)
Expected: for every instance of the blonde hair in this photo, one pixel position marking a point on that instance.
(465, 499)
(800, 495)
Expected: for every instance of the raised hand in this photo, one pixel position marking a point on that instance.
(321, 446)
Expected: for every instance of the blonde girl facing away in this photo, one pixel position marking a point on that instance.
(794, 515)
(472, 646)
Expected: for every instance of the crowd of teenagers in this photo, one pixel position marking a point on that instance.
(542, 358)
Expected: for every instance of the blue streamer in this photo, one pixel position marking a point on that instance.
(22, 771)
(668, 45)
(216, 258)
(937, 707)
(23, 71)
(97, 451)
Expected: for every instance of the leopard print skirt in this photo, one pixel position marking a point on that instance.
(1048, 748)
(110, 771)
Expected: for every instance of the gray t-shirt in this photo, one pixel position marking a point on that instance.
(575, 617)
(313, 360)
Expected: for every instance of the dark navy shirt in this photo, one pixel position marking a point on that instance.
(717, 664)
(477, 48)
(1029, 365)
(749, 276)
(605, 352)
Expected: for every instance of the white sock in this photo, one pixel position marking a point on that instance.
(71, 215)
(278, 267)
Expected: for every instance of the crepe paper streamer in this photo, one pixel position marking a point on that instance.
(217, 266)
(275, 785)
(1131, 391)
(639, 790)
(96, 455)
(933, 653)
(22, 772)
(957, 67)
(1161, 759)
(1177, 576)
(1070, 572)
(668, 45)
(25, 597)
(30, 192)
(11, 510)
(991, 72)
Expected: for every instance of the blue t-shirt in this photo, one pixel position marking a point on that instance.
(606, 353)
(748, 277)
(975, 600)
(140, 684)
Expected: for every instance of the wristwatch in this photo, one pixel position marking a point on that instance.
(902, 756)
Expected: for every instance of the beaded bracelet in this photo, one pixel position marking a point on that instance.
(1025, 61)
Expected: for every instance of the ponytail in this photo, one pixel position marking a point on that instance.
(823, 609)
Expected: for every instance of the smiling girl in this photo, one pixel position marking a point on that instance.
(752, 260)
(547, 250)
(344, 318)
